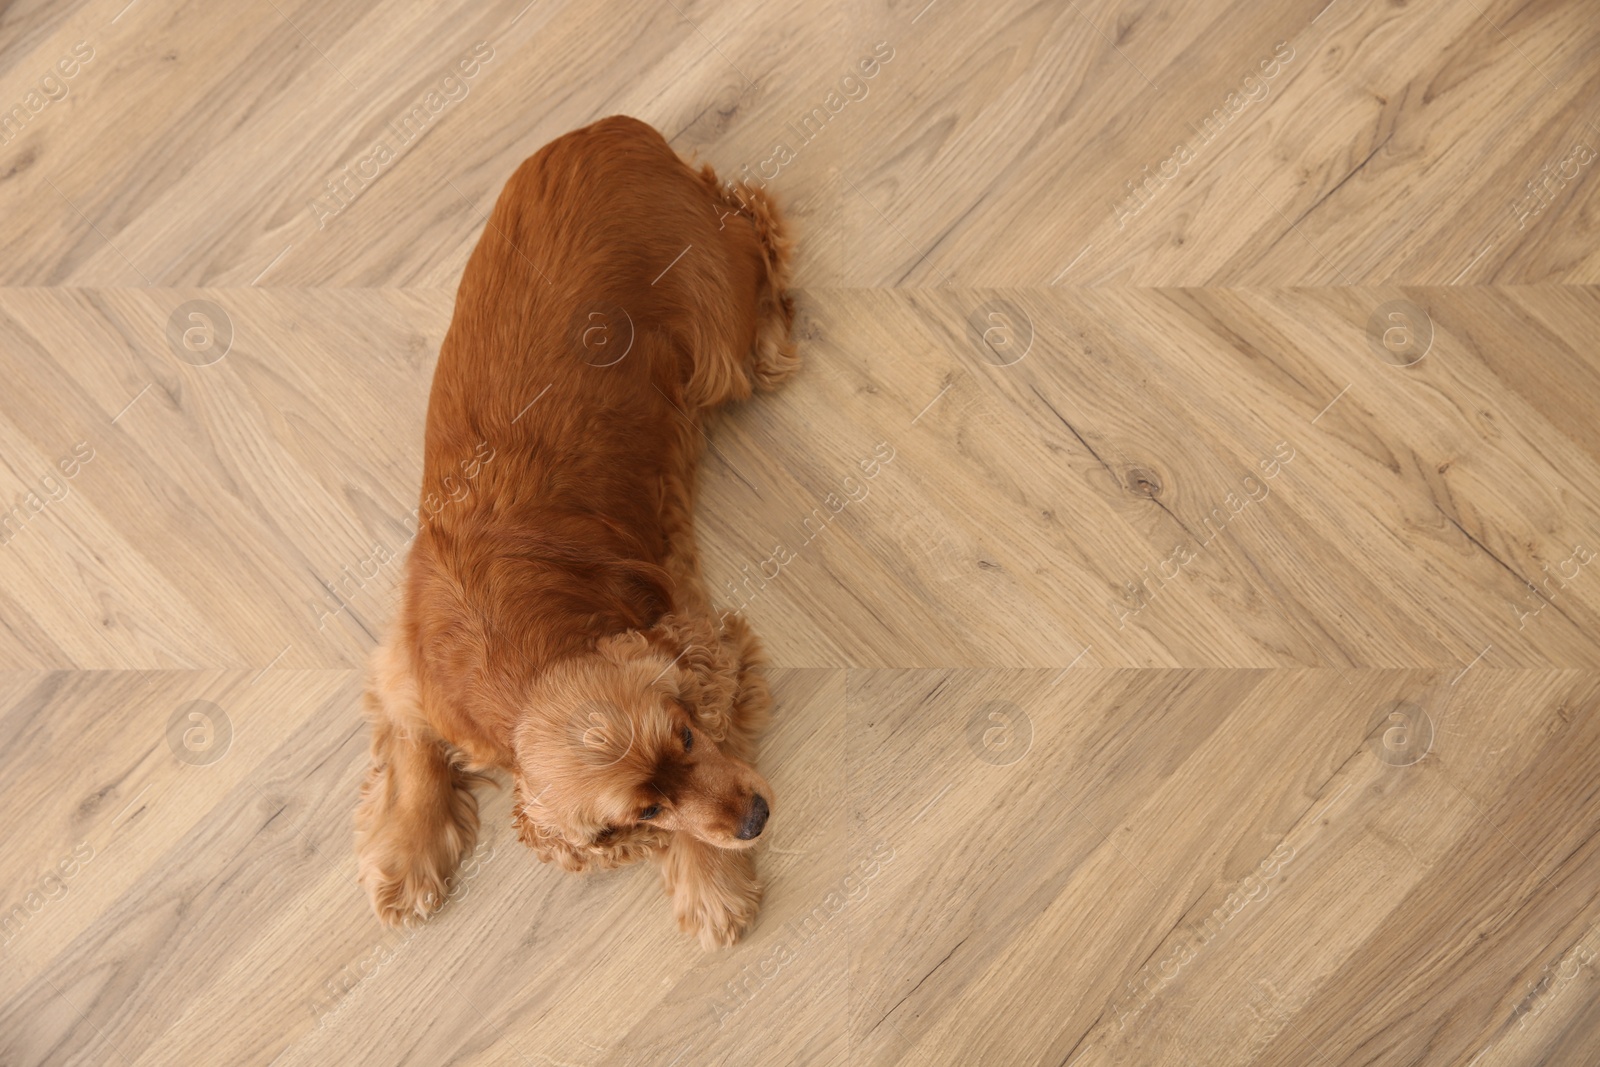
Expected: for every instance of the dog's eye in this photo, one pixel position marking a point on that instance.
(651, 812)
(688, 739)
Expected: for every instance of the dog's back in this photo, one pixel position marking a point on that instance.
(613, 295)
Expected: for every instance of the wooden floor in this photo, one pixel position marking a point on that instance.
(1189, 654)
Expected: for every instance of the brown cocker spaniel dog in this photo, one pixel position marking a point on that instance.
(554, 624)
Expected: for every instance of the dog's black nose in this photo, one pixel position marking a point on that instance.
(755, 821)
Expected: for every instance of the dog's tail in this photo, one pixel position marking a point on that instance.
(775, 357)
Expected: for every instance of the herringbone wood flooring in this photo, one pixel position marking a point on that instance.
(1185, 642)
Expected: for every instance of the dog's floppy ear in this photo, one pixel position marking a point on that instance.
(706, 666)
(536, 829)
(698, 663)
(602, 850)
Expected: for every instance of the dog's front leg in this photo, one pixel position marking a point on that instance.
(417, 817)
(715, 891)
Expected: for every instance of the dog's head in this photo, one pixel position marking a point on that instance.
(616, 748)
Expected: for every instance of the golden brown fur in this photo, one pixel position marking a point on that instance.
(554, 624)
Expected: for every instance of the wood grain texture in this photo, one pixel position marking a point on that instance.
(1175, 551)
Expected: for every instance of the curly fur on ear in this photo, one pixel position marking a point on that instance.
(706, 663)
(606, 851)
(749, 714)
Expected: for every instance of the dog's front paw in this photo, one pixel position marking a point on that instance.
(719, 899)
(718, 921)
(406, 857)
(408, 894)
